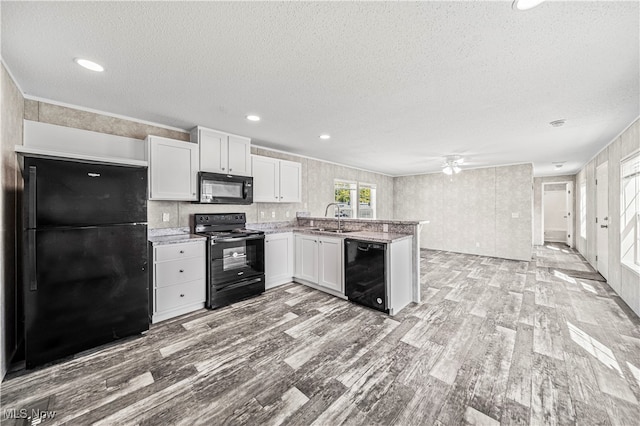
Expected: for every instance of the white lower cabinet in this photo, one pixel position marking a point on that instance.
(318, 263)
(278, 258)
(178, 279)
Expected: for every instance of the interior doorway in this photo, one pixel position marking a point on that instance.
(557, 212)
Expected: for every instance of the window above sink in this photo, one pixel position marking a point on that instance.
(356, 199)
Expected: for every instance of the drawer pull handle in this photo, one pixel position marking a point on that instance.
(181, 270)
(182, 295)
(181, 251)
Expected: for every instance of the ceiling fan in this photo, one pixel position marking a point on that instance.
(452, 164)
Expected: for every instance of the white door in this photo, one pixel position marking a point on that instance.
(266, 174)
(239, 156)
(213, 151)
(290, 191)
(306, 253)
(173, 169)
(330, 274)
(278, 259)
(602, 219)
(570, 214)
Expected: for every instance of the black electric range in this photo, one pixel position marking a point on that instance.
(235, 258)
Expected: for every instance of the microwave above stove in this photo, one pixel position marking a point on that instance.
(216, 188)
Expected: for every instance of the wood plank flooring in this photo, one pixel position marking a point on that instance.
(494, 342)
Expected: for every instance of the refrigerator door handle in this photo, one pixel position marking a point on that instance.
(32, 197)
(33, 263)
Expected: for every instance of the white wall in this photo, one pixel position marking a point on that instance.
(473, 211)
(622, 279)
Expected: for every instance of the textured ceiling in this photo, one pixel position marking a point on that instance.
(397, 85)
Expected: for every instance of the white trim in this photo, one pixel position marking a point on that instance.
(26, 150)
(633, 268)
(6, 67)
(628, 156)
(108, 114)
(572, 208)
(318, 159)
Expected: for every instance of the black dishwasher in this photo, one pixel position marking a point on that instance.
(365, 274)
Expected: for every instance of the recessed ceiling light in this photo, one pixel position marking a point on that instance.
(525, 4)
(558, 123)
(253, 118)
(325, 136)
(90, 65)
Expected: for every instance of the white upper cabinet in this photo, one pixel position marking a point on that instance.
(173, 169)
(222, 152)
(276, 181)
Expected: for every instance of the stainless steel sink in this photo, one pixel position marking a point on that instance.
(337, 231)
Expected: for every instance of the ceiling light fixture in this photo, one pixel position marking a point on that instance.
(253, 117)
(451, 165)
(325, 137)
(525, 4)
(558, 123)
(90, 65)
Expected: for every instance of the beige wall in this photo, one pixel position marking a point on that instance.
(622, 279)
(11, 113)
(538, 232)
(471, 212)
(317, 191)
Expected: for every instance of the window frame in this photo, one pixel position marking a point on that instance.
(630, 251)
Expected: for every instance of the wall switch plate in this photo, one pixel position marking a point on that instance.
(385, 227)
(166, 217)
(287, 213)
(515, 215)
(477, 244)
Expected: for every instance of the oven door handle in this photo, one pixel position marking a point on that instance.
(233, 240)
(237, 284)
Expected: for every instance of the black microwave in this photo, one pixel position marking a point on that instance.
(216, 188)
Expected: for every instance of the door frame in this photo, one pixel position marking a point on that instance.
(604, 271)
(569, 185)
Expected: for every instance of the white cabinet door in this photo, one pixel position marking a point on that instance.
(290, 177)
(213, 151)
(265, 179)
(279, 257)
(306, 256)
(276, 181)
(330, 263)
(173, 169)
(239, 156)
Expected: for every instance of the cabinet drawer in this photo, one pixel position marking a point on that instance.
(172, 297)
(179, 251)
(179, 271)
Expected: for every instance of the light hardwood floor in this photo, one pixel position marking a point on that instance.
(494, 342)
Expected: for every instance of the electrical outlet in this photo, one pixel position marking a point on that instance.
(310, 223)
(287, 213)
(515, 215)
(166, 217)
(273, 214)
(477, 244)
(261, 215)
(385, 227)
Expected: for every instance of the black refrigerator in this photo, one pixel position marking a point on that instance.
(85, 277)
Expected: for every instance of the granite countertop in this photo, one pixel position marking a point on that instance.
(378, 237)
(175, 239)
(164, 236)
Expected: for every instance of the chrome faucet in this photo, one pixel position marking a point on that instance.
(339, 213)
